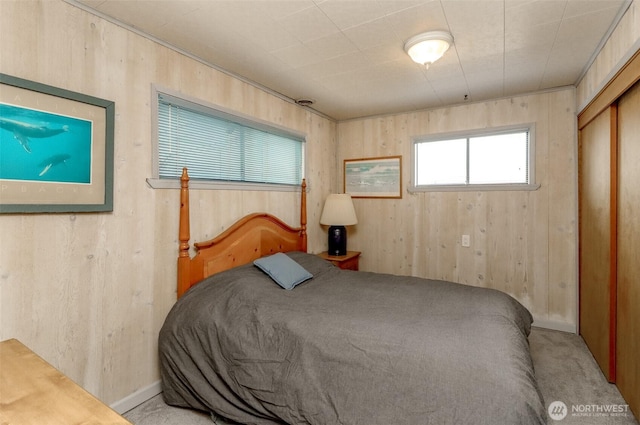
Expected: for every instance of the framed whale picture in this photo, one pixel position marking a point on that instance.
(56, 149)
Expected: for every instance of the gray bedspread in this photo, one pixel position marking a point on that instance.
(349, 348)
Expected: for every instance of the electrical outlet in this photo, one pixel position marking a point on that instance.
(466, 241)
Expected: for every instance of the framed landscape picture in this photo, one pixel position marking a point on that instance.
(379, 177)
(56, 149)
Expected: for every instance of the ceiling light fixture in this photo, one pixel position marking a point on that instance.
(428, 47)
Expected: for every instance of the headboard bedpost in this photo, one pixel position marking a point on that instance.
(184, 259)
(219, 254)
(303, 216)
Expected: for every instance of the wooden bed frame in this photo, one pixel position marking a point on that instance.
(251, 237)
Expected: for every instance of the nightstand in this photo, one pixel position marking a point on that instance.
(345, 262)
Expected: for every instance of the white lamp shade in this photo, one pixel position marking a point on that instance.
(338, 211)
(428, 47)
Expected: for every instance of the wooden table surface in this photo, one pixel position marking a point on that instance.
(34, 392)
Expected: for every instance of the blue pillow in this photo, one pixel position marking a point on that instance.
(283, 270)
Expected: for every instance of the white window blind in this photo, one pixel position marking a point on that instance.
(216, 145)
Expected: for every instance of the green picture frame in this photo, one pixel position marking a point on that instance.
(56, 149)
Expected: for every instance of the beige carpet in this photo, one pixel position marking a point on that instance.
(565, 370)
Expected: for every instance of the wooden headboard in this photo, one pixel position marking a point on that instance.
(249, 238)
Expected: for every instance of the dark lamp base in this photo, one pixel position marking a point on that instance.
(337, 240)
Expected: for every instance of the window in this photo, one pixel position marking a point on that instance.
(494, 159)
(223, 148)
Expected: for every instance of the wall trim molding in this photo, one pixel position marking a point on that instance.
(137, 398)
(623, 79)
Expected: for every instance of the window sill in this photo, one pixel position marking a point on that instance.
(475, 188)
(156, 183)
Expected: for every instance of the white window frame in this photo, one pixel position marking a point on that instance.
(531, 185)
(219, 112)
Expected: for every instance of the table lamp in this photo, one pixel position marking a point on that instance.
(338, 212)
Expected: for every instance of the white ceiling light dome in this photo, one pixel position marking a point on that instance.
(428, 47)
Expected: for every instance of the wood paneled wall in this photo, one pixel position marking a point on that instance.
(621, 45)
(89, 292)
(523, 243)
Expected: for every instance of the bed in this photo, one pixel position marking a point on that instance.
(341, 347)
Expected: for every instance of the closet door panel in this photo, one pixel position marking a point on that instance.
(595, 239)
(628, 287)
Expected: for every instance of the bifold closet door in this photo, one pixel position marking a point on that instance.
(628, 285)
(595, 241)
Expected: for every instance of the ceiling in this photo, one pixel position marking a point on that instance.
(347, 55)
